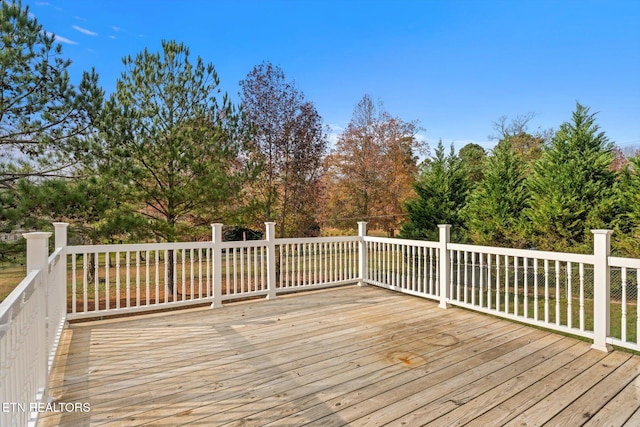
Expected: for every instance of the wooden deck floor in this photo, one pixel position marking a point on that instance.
(348, 356)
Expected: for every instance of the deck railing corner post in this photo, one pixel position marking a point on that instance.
(61, 229)
(601, 289)
(270, 235)
(444, 272)
(362, 253)
(216, 240)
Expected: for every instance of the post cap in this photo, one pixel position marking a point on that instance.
(37, 235)
(609, 232)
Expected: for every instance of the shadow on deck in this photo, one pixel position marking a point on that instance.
(346, 356)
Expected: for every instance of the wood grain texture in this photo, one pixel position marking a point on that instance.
(360, 356)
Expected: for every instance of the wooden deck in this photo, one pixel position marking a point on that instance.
(348, 356)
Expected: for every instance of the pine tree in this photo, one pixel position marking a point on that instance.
(44, 118)
(571, 186)
(473, 157)
(442, 189)
(174, 149)
(627, 204)
(495, 207)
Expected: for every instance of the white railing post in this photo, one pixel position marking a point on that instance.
(271, 259)
(216, 239)
(445, 274)
(362, 253)
(601, 289)
(60, 234)
(37, 251)
(38, 259)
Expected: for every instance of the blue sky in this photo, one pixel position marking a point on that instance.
(455, 66)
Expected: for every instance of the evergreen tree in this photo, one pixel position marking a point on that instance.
(627, 204)
(169, 144)
(92, 207)
(441, 189)
(473, 157)
(571, 186)
(44, 119)
(495, 207)
(45, 123)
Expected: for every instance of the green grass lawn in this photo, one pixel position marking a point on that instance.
(10, 276)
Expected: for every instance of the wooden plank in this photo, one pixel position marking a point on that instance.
(469, 406)
(634, 420)
(594, 399)
(247, 353)
(621, 409)
(195, 346)
(357, 356)
(392, 374)
(283, 390)
(451, 405)
(426, 314)
(534, 393)
(406, 397)
(563, 396)
(179, 377)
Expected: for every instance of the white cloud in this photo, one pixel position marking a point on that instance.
(335, 128)
(61, 39)
(116, 29)
(334, 132)
(112, 37)
(84, 30)
(333, 138)
(420, 137)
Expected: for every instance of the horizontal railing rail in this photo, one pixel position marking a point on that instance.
(523, 253)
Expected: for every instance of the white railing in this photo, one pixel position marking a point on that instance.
(594, 296)
(548, 289)
(23, 356)
(624, 305)
(408, 266)
(31, 322)
(316, 262)
(116, 279)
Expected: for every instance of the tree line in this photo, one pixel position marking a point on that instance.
(167, 154)
(545, 191)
